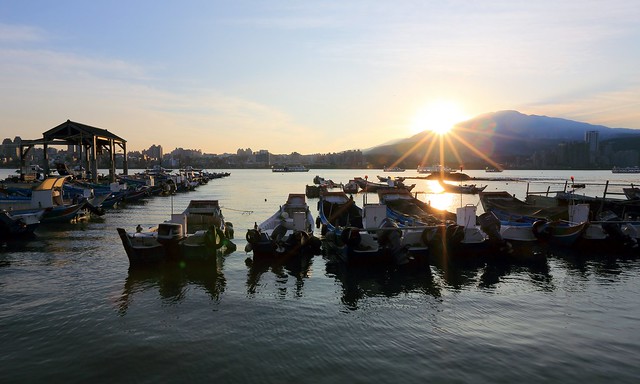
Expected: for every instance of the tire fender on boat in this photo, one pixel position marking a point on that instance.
(315, 244)
(210, 238)
(304, 238)
(253, 236)
(541, 229)
(350, 236)
(454, 234)
(438, 237)
(220, 238)
(294, 239)
(228, 230)
(427, 235)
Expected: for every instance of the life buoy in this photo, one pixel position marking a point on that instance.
(253, 236)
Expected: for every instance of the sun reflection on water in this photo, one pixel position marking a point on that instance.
(440, 200)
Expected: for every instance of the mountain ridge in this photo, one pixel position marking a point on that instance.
(497, 136)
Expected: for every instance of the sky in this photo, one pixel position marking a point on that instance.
(310, 76)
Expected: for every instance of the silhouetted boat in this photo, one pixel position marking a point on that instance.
(288, 232)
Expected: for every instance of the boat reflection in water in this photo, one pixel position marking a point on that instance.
(172, 280)
(362, 282)
(298, 266)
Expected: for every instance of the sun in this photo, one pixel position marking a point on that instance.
(438, 117)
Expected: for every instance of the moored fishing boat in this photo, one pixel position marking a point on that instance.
(47, 195)
(378, 241)
(470, 189)
(336, 209)
(170, 241)
(202, 214)
(368, 186)
(470, 239)
(631, 193)
(288, 232)
(18, 225)
(524, 223)
(367, 236)
(503, 202)
(350, 187)
(327, 183)
(405, 207)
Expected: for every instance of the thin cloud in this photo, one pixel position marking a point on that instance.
(15, 34)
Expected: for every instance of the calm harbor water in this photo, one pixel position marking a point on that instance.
(71, 310)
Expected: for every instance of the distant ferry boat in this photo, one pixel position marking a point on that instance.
(436, 168)
(393, 169)
(487, 169)
(626, 170)
(289, 168)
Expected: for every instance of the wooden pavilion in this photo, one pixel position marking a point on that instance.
(92, 141)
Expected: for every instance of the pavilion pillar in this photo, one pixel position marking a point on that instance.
(125, 163)
(112, 161)
(23, 154)
(86, 162)
(45, 161)
(94, 160)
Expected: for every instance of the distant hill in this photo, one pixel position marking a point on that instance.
(514, 123)
(498, 135)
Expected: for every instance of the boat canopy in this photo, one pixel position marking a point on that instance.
(50, 183)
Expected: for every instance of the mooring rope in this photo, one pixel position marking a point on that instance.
(244, 212)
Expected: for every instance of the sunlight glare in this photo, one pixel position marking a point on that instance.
(441, 200)
(438, 117)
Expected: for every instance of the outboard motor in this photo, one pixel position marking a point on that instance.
(95, 210)
(389, 235)
(490, 225)
(390, 238)
(350, 237)
(278, 233)
(611, 225)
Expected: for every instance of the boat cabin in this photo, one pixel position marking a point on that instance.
(170, 232)
(373, 215)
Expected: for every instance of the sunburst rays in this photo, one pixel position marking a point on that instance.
(451, 142)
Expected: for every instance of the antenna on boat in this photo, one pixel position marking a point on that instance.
(366, 184)
(460, 185)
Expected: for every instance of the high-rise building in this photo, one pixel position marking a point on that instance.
(591, 138)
